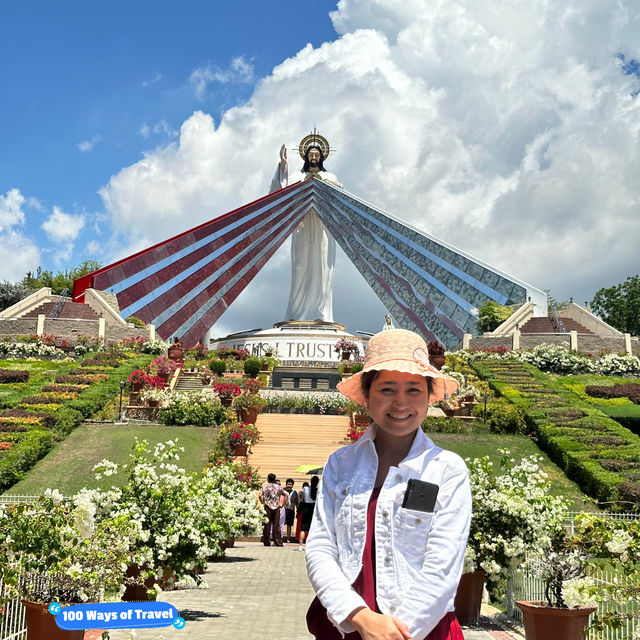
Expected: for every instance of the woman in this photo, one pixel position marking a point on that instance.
(309, 495)
(401, 582)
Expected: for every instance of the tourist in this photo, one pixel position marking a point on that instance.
(269, 496)
(299, 510)
(401, 582)
(290, 507)
(284, 501)
(309, 495)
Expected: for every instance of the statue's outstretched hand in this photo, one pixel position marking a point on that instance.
(283, 157)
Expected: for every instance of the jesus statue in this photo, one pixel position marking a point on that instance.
(313, 249)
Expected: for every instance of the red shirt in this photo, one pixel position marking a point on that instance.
(322, 628)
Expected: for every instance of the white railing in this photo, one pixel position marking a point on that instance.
(524, 585)
(8, 499)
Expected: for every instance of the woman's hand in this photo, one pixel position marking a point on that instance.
(377, 626)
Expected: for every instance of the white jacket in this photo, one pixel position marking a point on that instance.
(419, 555)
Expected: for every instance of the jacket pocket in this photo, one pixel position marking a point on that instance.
(412, 534)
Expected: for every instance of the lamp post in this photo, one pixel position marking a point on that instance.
(484, 413)
(122, 385)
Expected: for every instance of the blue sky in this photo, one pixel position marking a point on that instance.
(89, 87)
(509, 130)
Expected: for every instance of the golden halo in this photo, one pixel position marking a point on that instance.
(311, 140)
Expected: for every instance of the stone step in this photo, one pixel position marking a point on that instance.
(290, 440)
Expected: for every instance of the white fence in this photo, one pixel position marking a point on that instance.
(525, 586)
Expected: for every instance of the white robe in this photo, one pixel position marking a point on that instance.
(313, 259)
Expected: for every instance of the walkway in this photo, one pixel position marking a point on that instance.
(245, 589)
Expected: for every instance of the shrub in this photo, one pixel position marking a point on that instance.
(502, 417)
(252, 366)
(23, 455)
(197, 408)
(136, 322)
(8, 376)
(218, 367)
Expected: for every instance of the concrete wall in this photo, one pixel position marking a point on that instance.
(69, 329)
(586, 344)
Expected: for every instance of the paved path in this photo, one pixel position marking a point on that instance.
(239, 601)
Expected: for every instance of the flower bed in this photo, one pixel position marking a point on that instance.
(629, 390)
(576, 445)
(7, 376)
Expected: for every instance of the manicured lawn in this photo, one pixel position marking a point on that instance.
(478, 445)
(68, 466)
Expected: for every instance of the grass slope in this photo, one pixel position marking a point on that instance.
(477, 445)
(68, 465)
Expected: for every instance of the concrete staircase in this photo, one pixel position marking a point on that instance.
(69, 311)
(545, 325)
(189, 381)
(289, 440)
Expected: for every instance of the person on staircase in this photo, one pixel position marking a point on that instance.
(290, 508)
(269, 497)
(386, 547)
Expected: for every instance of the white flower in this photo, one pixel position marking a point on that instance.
(54, 494)
(619, 542)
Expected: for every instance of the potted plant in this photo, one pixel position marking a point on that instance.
(513, 514)
(564, 614)
(137, 379)
(252, 367)
(436, 353)
(162, 366)
(154, 396)
(345, 348)
(226, 391)
(242, 436)
(54, 551)
(249, 405)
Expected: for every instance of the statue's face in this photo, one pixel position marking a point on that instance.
(314, 158)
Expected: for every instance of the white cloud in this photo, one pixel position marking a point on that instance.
(162, 127)
(87, 145)
(18, 254)
(508, 130)
(157, 76)
(11, 213)
(239, 71)
(63, 227)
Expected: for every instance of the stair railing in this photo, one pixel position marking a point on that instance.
(57, 308)
(556, 320)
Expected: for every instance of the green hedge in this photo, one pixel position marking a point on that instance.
(14, 463)
(575, 434)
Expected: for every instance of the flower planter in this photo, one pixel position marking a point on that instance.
(136, 592)
(437, 360)
(240, 450)
(249, 415)
(137, 386)
(469, 597)
(346, 355)
(226, 401)
(361, 420)
(153, 403)
(176, 354)
(41, 625)
(265, 367)
(542, 622)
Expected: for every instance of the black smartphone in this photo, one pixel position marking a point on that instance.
(420, 495)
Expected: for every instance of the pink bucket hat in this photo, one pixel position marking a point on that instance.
(398, 350)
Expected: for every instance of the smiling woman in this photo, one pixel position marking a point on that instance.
(401, 582)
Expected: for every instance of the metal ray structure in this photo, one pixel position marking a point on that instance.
(184, 284)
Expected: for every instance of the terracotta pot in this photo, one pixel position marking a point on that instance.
(136, 592)
(240, 450)
(542, 622)
(361, 420)
(346, 355)
(225, 401)
(437, 360)
(137, 386)
(175, 353)
(41, 625)
(346, 369)
(265, 367)
(153, 403)
(249, 415)
(469, 597)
